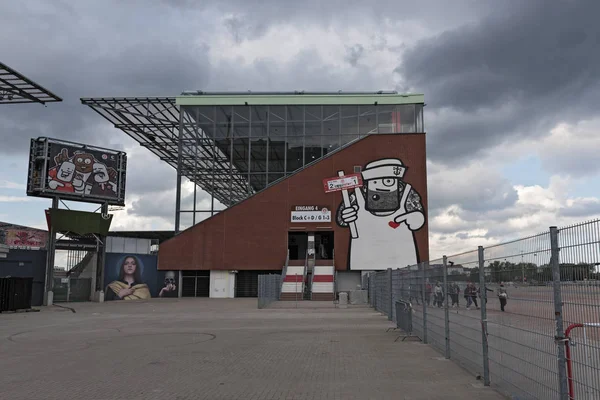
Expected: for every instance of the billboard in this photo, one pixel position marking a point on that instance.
(22, 237)
(78, 172)
(135, 277)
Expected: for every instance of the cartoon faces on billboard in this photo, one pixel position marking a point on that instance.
(82, 173)
(387, 211)
(129, 285)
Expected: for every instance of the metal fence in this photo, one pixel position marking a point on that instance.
(269, 289)
(523, 316)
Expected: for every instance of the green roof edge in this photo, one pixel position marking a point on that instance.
(298, 99)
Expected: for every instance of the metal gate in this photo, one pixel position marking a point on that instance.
(74, 283)
(246, 282)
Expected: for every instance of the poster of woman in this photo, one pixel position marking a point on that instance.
(129, 285)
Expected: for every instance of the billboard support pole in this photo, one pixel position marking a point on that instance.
(49, 282)
(100, 261)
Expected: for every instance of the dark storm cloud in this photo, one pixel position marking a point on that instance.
(77, 61)
(538, 58)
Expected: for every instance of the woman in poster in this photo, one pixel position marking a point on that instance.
(129, 286)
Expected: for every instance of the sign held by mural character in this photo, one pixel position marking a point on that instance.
(343, 183)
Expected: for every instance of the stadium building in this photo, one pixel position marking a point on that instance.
(319, 187)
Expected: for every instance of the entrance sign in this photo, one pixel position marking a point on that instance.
(310, 214)
(343, 182)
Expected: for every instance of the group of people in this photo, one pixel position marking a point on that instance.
(471, 293)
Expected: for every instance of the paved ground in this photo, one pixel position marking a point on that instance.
(218, 349)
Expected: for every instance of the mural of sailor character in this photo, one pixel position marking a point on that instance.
(387, 211)
(60, 178)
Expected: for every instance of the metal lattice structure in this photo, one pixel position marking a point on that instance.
(15, 88)
(233, 145)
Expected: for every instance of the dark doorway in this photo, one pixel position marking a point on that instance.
(195, 284)
(297, 245)
(324, 245)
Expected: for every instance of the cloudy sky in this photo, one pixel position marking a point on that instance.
(512, 91)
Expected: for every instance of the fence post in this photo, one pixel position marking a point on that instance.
(389, 285)
(446, 310)
(560, 332)
(423, 287)
(484, 342)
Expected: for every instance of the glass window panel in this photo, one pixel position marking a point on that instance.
(224, 129)
(241, 129)
(258, 181)
(312, 149)
(241, 113)
(294, 153)
(331, 127)
(274, 177)
(419, 111)
(345, 139)
(331, 113)
(312, 128)
(277, 113)
(312, 113)
(295, 113)
(330, 143)
(277, 155)
(331, 120)
(206, 114)
(295, 128)
(206, 130)
(405, 118)
(224, 145)
(276, 128)
(384, 116)
(258, 150)
(259, 130)
(224, 113)
(240, 154)
(259, 114)
(349, 120)
(367, 122)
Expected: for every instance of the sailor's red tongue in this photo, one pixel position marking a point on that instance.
(393, 224)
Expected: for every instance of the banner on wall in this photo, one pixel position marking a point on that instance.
(135, 277)
(23, 238)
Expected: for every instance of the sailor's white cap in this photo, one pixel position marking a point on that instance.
(385, 168)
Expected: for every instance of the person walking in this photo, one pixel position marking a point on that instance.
(428, 290)
(467, 294)
(454, 290)
(503, 296)
(471, 295)
(438, 293)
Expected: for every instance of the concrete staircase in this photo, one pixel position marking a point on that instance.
(293, 284)
(323, 288)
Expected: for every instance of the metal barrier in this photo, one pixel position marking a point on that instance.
(15, 294)
(403, 312)
(269, 289)
(501, 312)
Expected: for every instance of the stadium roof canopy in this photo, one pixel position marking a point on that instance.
(231, 150)
(16, 88)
